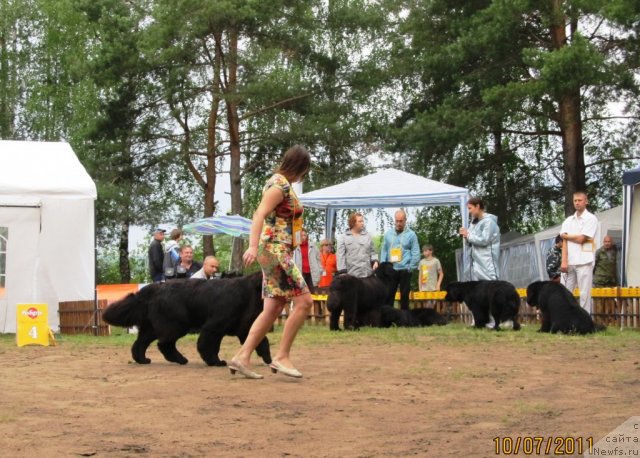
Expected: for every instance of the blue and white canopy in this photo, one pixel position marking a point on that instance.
(234, 225)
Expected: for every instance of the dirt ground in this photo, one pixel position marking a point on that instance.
(419, 393)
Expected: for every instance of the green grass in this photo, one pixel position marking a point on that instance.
(452, 334)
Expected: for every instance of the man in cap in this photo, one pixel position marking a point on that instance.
(156, 256)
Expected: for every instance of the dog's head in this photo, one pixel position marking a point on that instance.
(533, 292)
(385, 271)
(455, 292)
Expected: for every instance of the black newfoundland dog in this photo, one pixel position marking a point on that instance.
(168, 311)
(391, 316)
(360, 298)
(498, 298)
(560, 310)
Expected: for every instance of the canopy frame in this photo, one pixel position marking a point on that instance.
(405, 190)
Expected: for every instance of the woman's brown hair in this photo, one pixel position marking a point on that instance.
(295, 163)
(476, 202)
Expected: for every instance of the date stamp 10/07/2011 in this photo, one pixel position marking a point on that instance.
(542, 445)
(622, 441)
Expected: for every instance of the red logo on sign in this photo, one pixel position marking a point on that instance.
(32, 312)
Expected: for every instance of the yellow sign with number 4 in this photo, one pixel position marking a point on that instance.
(32, 325)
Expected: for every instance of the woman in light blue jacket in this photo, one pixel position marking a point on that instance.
(483, 237)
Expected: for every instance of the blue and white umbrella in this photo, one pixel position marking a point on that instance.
(233, 225)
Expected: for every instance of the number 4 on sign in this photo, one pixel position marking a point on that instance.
(32, 325)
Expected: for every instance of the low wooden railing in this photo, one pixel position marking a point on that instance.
(617, 307)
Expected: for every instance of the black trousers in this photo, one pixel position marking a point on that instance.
(309, 281)
(403, 280)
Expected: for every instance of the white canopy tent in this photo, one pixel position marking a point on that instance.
(47, 236)
(631, 218)
(384, 189)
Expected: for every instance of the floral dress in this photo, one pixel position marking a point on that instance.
(280, 276)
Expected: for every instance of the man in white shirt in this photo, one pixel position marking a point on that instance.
(579, 231)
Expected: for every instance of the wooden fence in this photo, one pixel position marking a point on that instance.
(615, 307)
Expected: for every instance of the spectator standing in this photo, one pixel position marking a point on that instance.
(400, 247)
(328, 263)
(554, 259)
(356, 253)
(156, 255)
(605, 272)
(187, 266)
(430, 272)
(578, 254)
(483, 238)
(307, 258)
(172, 254)
(210, 267)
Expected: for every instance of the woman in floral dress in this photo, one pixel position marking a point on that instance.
(275, 232)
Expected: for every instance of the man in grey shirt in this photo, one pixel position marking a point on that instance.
(356, 252)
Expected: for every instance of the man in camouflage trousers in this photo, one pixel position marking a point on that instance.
(554, 259)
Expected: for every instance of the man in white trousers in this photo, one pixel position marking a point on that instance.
(579, 231)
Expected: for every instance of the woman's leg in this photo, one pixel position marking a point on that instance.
(260, 327)
(301, 307)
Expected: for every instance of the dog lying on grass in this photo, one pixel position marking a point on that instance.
(168, 311)
(390, 316)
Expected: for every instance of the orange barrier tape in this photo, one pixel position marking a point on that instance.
(112, 293)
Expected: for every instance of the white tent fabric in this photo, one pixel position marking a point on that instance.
(47, 237)
(384, 189)
(631, 218)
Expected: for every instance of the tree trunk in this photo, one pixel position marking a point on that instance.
(123, 253)
(210, 174)
(570, 120)
(212, 125)
(234, 142)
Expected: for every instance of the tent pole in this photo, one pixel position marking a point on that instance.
(329, 222)
(95, 271)
(465, 223)
(626, 205)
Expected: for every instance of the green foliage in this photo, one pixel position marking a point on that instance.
(438, 226)
(462, 91)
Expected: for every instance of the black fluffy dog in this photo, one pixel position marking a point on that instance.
(560, 310)
(391, 316)
(360, 298)
(498, 298)
(168, 311)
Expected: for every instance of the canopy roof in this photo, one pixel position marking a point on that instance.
(43, 169)
(631, 177)
(386, 188)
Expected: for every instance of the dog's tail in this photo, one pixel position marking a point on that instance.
(127, 312)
